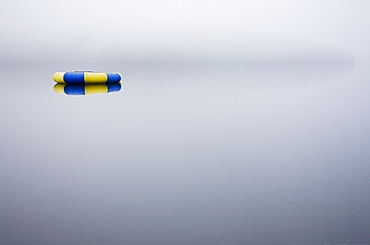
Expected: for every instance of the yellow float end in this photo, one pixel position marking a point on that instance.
(96, 89)
(95, 77)
(58, 77)
(59, 88)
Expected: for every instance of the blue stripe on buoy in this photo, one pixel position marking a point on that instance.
(74, 77)
(113, 78)
(114, 87)
(74, 89)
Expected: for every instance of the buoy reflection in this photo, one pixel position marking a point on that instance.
(87, 89)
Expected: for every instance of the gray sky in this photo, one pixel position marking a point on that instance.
(164, 30)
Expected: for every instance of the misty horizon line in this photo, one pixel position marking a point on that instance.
(270, 61)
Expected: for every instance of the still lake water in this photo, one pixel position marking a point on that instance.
(187, 154)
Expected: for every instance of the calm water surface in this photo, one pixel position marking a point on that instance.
(187, 154)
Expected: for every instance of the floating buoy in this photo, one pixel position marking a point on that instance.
(86, 89)
(78, 77)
